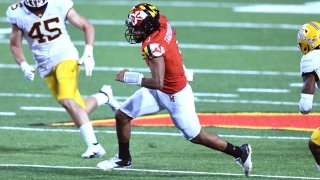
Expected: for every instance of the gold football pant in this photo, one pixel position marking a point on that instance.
(315, 137)
(63, 81)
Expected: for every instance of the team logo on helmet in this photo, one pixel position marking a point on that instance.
(142, 21)
(308, 37)
(136, 18)
(35, 3)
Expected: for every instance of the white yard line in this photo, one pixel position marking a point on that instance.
(7, 114)
(150, 133)
(156, 171)
(243, 47)
(263, 90)
(196, 71)
(198, 97)
(40, 108)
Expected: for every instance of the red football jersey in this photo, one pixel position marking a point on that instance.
(163, 42)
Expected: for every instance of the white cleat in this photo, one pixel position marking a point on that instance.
(245, 160)
(112, 102)
(95, 151)
(114, 162)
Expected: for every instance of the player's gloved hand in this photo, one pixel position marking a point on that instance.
(87, 59)
(28, 71)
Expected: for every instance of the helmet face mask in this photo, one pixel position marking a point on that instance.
(308, 37)
(35, 3)
(142, 21)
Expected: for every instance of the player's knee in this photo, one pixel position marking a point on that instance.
(197, 139)
(121, 117)
(310, 144)
(68, 104)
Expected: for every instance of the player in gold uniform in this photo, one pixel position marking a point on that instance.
(308, 41)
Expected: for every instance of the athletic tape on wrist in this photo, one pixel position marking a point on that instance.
(133, 78)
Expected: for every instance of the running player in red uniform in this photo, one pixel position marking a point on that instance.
(166, 89)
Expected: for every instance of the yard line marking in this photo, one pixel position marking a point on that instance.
(34, 108)
(25, 95)
(250, 102)
(150, 133)
(154, 171)
(262, 90)
(189, 46)
(178, 4)
(7, 114)
(196, 98)
(306, 8)
(296, 84)
(196, 94)
(196, 71)
(197, 24)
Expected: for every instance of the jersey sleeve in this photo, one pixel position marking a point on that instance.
(307, 65)
(10, 16)
(310, 63)
(153, 50)
(66, 5)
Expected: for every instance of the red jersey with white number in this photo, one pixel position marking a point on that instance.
(164, 43)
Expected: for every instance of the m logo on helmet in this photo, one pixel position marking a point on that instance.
(137, 17)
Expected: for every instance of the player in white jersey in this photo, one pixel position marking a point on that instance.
(43, 24)
(308, 41)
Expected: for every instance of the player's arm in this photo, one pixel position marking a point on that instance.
(83, 24)
(16, 44)
(307, 92)
(89, 34)
(157, 67)
(17, 53)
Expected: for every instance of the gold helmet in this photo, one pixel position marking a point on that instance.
(308, 37)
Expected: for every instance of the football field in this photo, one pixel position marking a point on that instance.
(245, 60)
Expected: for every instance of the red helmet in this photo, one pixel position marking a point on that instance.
(142, 21)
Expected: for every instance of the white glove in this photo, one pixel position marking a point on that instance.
(305, 103)
(87, 59)
(28, 71)
(188, 73)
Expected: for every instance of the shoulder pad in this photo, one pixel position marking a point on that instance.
(153, 50)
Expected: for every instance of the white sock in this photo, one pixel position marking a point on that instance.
(87, 133)
(101, 98)
(318, 166)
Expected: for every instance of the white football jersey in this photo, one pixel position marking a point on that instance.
(47, 36)
(310, 62)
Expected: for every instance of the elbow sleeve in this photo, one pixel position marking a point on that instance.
(305, 103)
